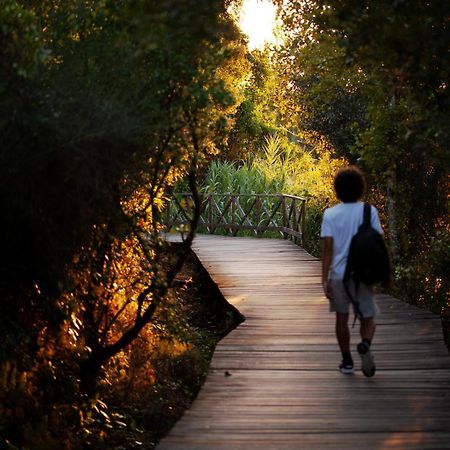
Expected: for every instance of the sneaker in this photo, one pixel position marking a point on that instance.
(367, 359)
(346, 368)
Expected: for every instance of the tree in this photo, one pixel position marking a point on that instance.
(104, 105)
(398, 54)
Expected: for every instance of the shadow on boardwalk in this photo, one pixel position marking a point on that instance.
(273, 381)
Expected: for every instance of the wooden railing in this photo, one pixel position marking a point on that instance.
(256, 214)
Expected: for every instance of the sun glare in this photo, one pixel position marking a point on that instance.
(257, 20)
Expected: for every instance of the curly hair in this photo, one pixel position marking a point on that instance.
(349, 184)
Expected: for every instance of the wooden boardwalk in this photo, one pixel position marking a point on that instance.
(273, 381)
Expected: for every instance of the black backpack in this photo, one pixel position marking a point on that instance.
(368, 258)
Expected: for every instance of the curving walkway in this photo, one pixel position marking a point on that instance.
(274, 383)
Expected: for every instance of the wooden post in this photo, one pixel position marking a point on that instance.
(292, 220)
(303, 218)
(284, 215)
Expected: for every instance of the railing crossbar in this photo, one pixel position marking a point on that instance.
(245, 217)
(234, 213)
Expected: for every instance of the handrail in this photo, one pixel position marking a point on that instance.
(258, 214)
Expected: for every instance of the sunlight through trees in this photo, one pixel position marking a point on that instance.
(106, 107)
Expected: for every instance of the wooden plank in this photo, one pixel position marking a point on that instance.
(274, 384)
(299, 441)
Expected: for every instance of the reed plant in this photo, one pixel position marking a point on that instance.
(281, 167)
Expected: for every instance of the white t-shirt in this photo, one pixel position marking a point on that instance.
(341, 222)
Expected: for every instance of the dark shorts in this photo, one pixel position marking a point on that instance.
(364, 296)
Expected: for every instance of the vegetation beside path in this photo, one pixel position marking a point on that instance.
(105, 106)
(162, 372)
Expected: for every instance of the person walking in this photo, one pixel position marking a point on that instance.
(339, 224)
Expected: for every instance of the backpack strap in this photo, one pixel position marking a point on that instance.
(355, 303)
(367, 219)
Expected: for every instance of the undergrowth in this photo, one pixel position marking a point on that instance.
(167, 367)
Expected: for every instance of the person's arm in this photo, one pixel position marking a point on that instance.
(327, 256)
(375, 220)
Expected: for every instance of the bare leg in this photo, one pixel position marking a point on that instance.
(367, 331)
(367, 328)
(343, 332)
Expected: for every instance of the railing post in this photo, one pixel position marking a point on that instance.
(297, 217)
(293, 224)
(302, 224)
(292, 218)
(284, 214)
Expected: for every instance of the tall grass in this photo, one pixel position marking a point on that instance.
(281, 167)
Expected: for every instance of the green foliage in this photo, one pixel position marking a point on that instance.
(281, 166)
(103, 106)
(426, 277)
(257, 114)
(152, 382)
(323, 97)
(371, 77)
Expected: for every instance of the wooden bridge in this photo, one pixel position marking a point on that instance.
(258, 214)
(273, 382)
